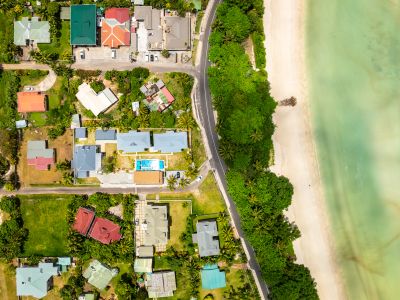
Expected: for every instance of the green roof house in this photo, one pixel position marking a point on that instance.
(27, 32)
(99, 275)
(64, 263)
(35, 281)
(83, 25)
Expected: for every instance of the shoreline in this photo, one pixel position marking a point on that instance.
(294, 146)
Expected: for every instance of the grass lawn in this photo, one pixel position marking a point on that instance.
(209, 199)
(199, 152)
(178, 212)
(53, 97)
(62, 46)
(6, 33)
(45, 218)
(37, 119)
(32, 77)
(7, 282)
(8, 82)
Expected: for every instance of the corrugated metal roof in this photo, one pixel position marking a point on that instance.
(170, 141)
(106, 135)
(32, 281)
(205, 238)
(83, 24)
(143, 265)
(98, 275)
(84, 159)
(38, 31)
(65, 13)
(81, 133)
(133, 141)
(177, 33)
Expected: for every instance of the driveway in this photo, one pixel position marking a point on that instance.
(47, 83)
(114, 180)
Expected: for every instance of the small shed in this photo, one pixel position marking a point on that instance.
(143, 265)
(145, 251)
(21, 124)
(65, 13)
(81, 133)
(64, 263)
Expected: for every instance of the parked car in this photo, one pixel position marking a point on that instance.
(147, 57)
(113, 54)
(151, 57)
(155, 57)
(199, 178)
(82, 54)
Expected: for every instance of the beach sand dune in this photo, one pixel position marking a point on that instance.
(295, 155)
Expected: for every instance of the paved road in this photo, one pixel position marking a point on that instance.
(208, 121)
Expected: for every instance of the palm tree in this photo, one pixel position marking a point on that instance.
(171, 181)
(256, 136)
(144, 120)
(226, 151)
(186, 121)
(184, 182)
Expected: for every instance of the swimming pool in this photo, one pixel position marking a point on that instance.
(149, 165)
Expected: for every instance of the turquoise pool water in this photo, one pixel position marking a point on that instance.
(149, 165)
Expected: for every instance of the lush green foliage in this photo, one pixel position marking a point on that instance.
(97, 86)
(242, 99)
(12, 231)
(7, 48)
(182, 6)
(259, 50)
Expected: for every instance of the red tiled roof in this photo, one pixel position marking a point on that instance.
(120, 14)
(41, 163)
(83, 220)
(105, 231)
(167, 95)
(114, 35)
(31, 102)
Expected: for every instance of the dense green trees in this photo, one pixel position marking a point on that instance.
(12, 231)
(245, 107)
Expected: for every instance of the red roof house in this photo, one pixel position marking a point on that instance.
(167, 95)
(39, 156)
(115, 30)
(105, 231)
(120, 14)
(83, 220)
(31, 102)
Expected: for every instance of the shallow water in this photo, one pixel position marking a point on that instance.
(353, 63)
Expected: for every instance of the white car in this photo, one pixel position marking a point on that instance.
(113, 54)
(199, 178)
(147, 57)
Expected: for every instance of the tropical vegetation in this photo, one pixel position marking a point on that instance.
(245, 107)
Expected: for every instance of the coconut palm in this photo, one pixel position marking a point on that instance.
(186, 121)
(171, 181)
(184, 182)
(226, 151)
(256, 136)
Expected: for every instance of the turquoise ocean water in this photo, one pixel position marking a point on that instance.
(353, 65)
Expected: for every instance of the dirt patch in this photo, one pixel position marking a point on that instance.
(63, 151)
(116, 210)
(249, 49)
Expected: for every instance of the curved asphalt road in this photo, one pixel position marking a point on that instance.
(207, 119)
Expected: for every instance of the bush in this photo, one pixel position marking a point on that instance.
(97, 86)
(259, 50)
(165, 53)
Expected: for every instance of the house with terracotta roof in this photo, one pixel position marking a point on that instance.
(83, 220)
(115, 30)
(31, 102)
(39, 156)
(105, 231)
(100, 229)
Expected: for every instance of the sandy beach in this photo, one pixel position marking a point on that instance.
(295, 153)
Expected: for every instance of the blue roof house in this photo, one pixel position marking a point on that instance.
(109, 135)
(133, 141)
(212, 278)
(35, 281)
(207, 238)
(170, 141)
(86, 160)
